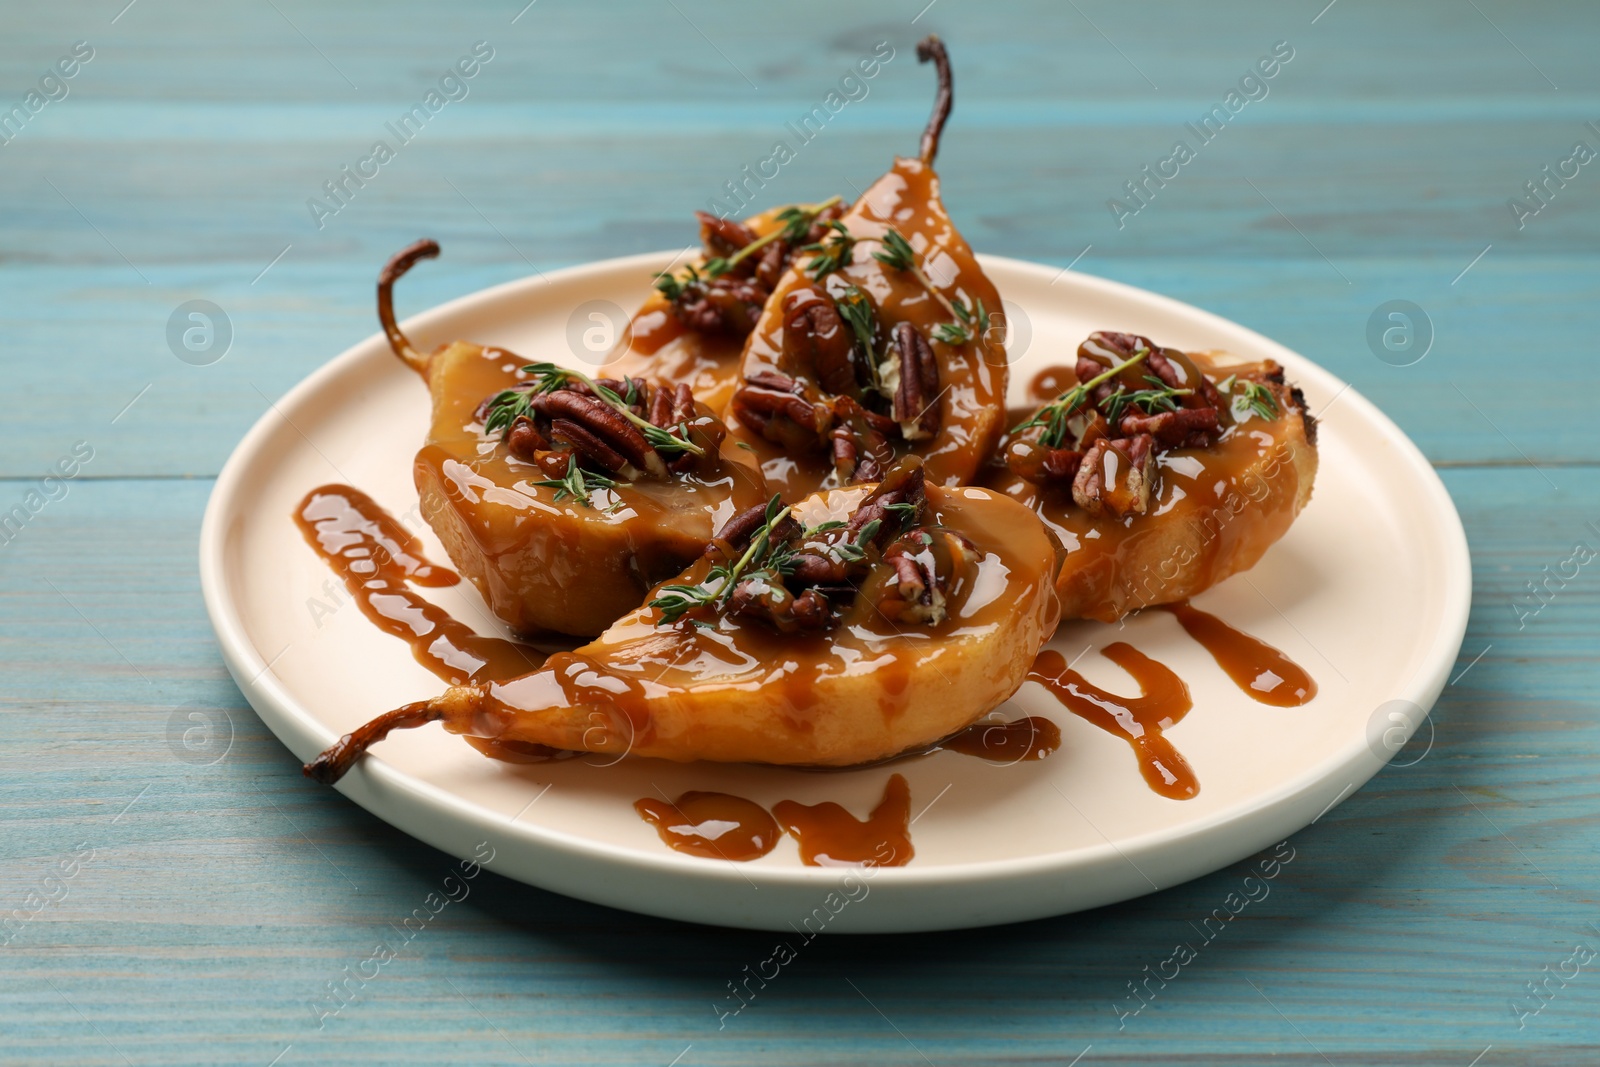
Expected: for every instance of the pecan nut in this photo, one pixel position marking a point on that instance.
(722, 237)
(775, 605)
(1183, 428)
(1028, 459)
(525, 441)
(926, 564)
(599, 432)
(906, 483)
(816, 341)
(594, 448)
(861, 451)
(727, 305)
(916, 395)
(774, 258)
(736, 532)
(1117, 477)
(773, 406)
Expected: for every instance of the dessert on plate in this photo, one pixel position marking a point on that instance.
(878, 342)
(858, 623)
(1161, 472)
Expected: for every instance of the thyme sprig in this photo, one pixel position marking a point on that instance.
(672, 285)
(677, 600)
(577, 484)
(959, 333)
(856, 551)
(1160, 398)
(833, 254)
(1255, 399)
(897, 254)
(797, 220)
(510, 404)
(856, 309)
(1054, 415)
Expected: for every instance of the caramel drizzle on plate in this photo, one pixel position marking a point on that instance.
(1162, 702)
(379, 560)
(1261, 672)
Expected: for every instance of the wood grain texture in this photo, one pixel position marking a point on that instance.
(221, 898)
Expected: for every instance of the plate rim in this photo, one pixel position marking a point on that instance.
(375, 784)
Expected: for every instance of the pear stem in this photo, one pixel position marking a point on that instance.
(342, 754)
(397, 266)
(932, 48)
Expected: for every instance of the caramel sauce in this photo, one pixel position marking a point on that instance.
(1162, 702)
(546, 565)
(735, 690)
(1049, 384)
(1214, 512)
(657, 346)
(830, 836)
(972, 376)
(1265, 674)
(712, 825)
(1030, 738)
(377, 557)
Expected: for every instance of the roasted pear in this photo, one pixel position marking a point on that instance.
(860, 623)
(564, 498)
(882, 340)
(693, 328)
(1161, 472)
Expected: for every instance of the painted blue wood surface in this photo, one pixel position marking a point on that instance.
(219, 899)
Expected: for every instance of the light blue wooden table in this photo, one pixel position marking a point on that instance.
(196, 910)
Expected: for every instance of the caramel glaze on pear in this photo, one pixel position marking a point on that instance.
(1212, 511)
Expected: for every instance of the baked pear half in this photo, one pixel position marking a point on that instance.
(564, 498)
(858, 624)
(1161, 472)
(883, 340)
(693, 327)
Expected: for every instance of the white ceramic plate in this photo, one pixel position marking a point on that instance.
(1369, 591)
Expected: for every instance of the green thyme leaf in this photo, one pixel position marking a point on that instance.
(577, 484)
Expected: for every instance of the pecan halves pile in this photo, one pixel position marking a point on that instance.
(830, 393)
(599, 433)
(727, 305)
(731, 302)
(1104, 348)
(804, 578)
(1103, 438)
(923, 561)
(572, 421)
